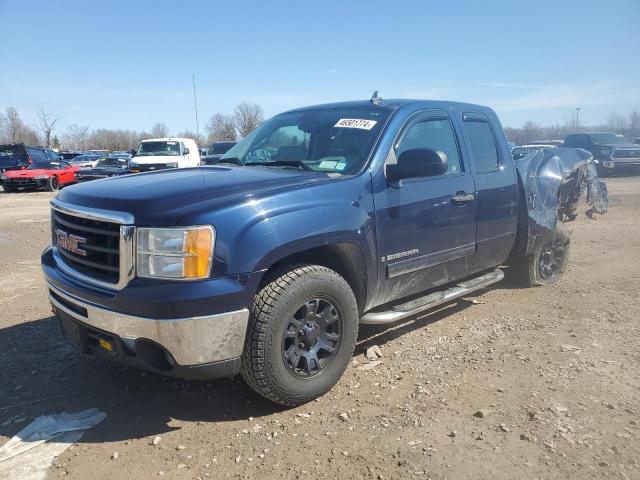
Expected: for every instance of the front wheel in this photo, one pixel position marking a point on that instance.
(52, 184)
(301, 334)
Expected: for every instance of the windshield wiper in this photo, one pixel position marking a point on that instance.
(285, 163)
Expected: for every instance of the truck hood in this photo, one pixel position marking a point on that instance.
(104, 171)
(162, 197)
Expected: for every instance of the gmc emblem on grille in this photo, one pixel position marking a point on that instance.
(70, 242)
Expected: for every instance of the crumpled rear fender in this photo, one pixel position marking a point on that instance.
(552, 182)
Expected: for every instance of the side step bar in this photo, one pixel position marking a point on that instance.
(432, 300)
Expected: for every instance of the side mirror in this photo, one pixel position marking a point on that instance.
(416, 163)
(186, 151)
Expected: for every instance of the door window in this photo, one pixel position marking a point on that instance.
(483, 145)
(433, 134)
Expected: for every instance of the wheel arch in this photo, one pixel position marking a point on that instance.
(346, 259)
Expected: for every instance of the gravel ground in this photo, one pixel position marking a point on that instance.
(512, 383)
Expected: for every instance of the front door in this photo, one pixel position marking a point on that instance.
(425, 227)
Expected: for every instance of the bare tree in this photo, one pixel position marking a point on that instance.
(616, 122)
(46, 124)
(14, 126)
(634, 123)
(531, 131)
(159, 130)
(199, 139)
(221, 127)
(3, 128)
(247, 116)
(76, 137)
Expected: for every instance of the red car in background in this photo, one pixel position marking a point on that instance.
(46, 174)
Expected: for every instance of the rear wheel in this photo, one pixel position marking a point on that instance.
(301, 334)
(52, 184)
(546, 265)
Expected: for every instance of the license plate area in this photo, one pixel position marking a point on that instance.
(87, 339)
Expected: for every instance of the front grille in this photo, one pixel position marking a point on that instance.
(147, 167)
(102, 246)
(626, 154)
(22, 181)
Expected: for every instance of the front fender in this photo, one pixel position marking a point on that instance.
(256, 233)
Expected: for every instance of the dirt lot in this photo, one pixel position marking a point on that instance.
(555, 371)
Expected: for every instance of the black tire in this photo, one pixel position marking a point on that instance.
(52, 184)
(548, 262)
(270, 364)
(9, 188)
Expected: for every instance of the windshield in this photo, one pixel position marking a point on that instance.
(111, 162)
(607, 138)
(167, 148)
(219, 148)
(332, 140)
(44, 164)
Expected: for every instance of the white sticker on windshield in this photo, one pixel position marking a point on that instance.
(355, 123)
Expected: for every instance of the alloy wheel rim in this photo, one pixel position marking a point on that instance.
(550, 262)
(311, 337)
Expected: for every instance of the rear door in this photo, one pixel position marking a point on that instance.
(426, 227)
(496, 188)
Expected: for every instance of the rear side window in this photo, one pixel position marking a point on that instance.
(483, 145)
(38, 155)
(433, 134)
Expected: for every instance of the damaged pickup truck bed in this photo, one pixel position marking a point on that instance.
(321, 219)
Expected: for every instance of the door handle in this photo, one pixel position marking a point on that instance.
(461, 197)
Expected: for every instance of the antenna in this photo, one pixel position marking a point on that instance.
(375, 99)
(195, 105)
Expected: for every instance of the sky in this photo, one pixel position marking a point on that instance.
(129, 64)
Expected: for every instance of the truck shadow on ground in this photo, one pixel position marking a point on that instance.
(42, 375)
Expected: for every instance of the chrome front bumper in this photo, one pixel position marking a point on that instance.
(190, 341)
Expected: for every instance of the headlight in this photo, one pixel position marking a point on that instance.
(41, 177)
(3, 177)
(605, 151)
(172, 165)
(175, 253)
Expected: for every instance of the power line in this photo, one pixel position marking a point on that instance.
(195, 105)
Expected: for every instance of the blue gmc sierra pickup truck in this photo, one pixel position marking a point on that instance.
(321, 219)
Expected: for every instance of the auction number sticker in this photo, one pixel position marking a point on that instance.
(355, 123)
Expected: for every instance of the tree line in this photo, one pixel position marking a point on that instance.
(629, 126)
(245, 117)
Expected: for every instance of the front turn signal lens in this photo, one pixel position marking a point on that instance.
(198, 243)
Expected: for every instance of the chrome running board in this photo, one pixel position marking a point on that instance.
(418, 305)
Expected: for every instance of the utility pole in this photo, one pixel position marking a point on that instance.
(195, 105)
(578, 117)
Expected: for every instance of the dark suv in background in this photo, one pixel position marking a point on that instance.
(18, 155)
(215, 152)
(610, 151)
